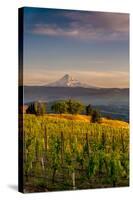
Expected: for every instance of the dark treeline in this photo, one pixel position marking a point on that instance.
(69, 106)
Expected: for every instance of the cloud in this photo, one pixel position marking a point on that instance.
(108, 21)
(86, 25)
(54, 30)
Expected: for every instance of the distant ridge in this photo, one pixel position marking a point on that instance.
(69, 81)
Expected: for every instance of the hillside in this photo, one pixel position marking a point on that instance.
(85, 118)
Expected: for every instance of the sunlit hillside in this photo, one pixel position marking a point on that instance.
(85, 118)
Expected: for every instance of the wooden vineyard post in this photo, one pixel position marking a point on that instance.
(44, 158)
(45, 138)
(103, 140)
(73, 180)
(62, 148)
(42, 163)
(122, 142)
(87, 143)
(62, 155)
(72, 126)
(53, 176)
(113, 143)
(36, 150)
(45, 144)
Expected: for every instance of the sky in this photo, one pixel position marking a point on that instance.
(93, 47)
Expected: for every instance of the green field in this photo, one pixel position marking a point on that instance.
(62, 153)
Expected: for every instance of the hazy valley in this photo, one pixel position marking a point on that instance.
(111, 102)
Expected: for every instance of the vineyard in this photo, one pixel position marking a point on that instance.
(65, 154)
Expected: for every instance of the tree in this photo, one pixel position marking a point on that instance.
(74, 107)
(41, 108)
(31, 109)
(95, 116)
(59, 107)
(89, 109)
(37, 108)
(69, 106)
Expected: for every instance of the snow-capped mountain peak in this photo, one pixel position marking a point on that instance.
(68, 81)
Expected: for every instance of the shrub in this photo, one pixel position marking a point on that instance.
(89, 110)
(95, 116)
